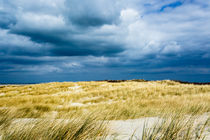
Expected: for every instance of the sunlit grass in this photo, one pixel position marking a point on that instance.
(123, 100)
(76, 128)
(177, 127)
(62, 110)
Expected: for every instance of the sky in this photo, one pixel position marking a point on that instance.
(83, 40)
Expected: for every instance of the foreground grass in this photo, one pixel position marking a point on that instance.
(178, 127)
(175, 126)
(123, 100)
(82, 128)
(53, 111)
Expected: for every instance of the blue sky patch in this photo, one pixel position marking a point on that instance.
(171, 5)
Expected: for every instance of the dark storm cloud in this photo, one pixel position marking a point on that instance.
(16, 45)
(7, 17)
(19, 60)
(64, 45)
(92, 48)
(92, 13)
(104, 38)
(16, 50)
(6, 20)
(64, 38)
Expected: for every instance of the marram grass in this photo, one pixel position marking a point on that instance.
(80, 128)
(175, 126)
(53, 111)
(123, 100)
(178, 127)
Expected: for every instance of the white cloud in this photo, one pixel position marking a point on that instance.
(143, 38)
(39, 6)
(42, 69)
(11, 40)
(171, 47)
(128, 16)
(40, 21)
(72, 65)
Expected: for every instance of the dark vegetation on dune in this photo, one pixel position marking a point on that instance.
(142, 80)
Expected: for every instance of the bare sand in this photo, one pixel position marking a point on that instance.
(124, 129)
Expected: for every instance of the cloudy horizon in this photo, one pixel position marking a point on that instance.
(72, 40)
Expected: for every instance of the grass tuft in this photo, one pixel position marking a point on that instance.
(177, 127)
(82, 128)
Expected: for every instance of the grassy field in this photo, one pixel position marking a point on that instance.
(51, 102)
(121, 100)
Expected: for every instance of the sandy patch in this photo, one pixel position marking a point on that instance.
(62, 92)
(74, 87)
(2, 108)
(2, 94)
(77, 104)
(124, 129)
(88, 104)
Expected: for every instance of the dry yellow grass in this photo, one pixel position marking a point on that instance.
(178, 127)
(79, 128)
(123, 100)
(62, 109)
